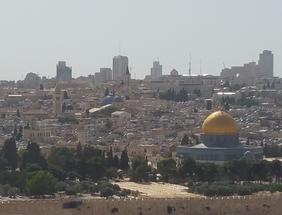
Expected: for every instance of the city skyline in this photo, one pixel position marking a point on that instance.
(144, 32)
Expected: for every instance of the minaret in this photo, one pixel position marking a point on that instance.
(58, 100)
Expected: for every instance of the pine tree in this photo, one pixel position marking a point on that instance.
(10, 153)
(124, 160)
(106, 92)
(32, 155)
(18, 113)
(109, 159)
(116, 162)
(64, 107)
(79, 150)
(185, 140)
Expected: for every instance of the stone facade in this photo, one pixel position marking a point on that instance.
(258, 205)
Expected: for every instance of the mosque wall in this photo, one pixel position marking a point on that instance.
(260, 205)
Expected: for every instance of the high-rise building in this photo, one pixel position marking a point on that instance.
(266, 64)
(120, 68)
(103, 76)
(107, 73)
(156, 70)
(251, 72)
(64, 73)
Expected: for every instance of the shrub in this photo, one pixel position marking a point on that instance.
(74, 189)
(41, 182)
(107, 191)
(275, 188)
(61, 186)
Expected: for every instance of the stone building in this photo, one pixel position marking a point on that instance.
(220, 142)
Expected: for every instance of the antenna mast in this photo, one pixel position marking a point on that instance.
(190, 65)
(119, 48)
(200, 66)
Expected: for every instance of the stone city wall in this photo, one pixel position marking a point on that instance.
(260, 205)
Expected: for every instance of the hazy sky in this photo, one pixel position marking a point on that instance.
(35, 34)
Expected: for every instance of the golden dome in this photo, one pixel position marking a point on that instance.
(219, 123)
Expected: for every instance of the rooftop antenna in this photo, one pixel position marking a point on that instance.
(119, 48)
(190, 65)
(200, 66)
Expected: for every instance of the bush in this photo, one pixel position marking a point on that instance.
(124, 192)
(227, 188)
(74, 189)
(89, 187)
(61, 186)
(41, 182)
(107, 191)
(275, 188)
(7, 190)
(243, 190)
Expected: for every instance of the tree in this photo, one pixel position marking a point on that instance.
(3, 162)
(116, 162)
(18, 113)
(32, 155)
(276, 170)
(140, 170)
(10, 153)
(64, 107)
(197, 92)
(108, 124)
(106, 92)
(62, 158)
(167, 168)
(79, 150)
(66, 96)
(41, 182)
(182, 95)
(238, 170)
(188, 168)
(185, 140)
(142, 173)
(110, 159)
(124, 160)
(260, 170)
(96, 168)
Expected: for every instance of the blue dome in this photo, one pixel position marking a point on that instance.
(111, 99)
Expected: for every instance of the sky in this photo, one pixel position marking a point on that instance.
(36, 34)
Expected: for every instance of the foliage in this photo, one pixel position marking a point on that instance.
(10, 153)
(8, 191)
(32, 155)
(74, 189)
(62, 158)
(185, 140)
(124, 160)
(41, 182)
(140, 170)
(170, 94)
(226, 188)
(274, 150)
(167, 168)
(106, 92)
(108, 189)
